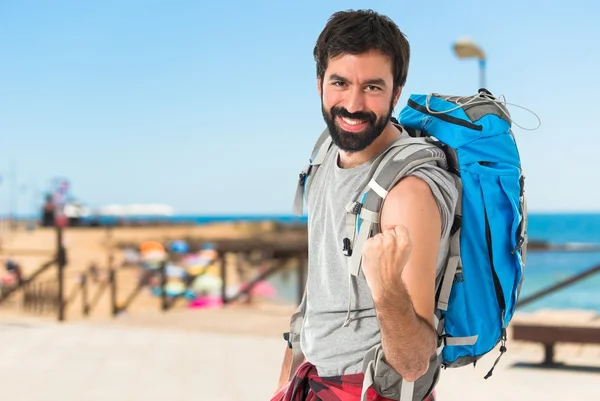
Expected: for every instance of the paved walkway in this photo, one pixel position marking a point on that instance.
(77, 361)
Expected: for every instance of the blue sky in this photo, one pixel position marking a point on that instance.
(212, 107)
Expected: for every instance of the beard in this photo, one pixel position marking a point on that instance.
(355, 141)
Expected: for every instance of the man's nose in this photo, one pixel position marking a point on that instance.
(355, 101)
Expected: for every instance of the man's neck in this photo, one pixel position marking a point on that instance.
(352, 159)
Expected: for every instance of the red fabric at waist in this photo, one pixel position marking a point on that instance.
(306, 385)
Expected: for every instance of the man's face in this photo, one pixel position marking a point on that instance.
(357, 98)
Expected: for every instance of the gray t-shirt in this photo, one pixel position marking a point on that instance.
(333, 349)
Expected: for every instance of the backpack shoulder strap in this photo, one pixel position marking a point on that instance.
(318, 154)
(403, 156)
(399, 161)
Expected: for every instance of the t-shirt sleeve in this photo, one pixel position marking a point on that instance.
(443, 187)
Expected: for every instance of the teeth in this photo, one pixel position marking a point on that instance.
(351, 121)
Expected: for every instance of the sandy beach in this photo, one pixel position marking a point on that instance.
(160, 359)
(221, 354)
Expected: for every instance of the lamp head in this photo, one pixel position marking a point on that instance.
(466, 48)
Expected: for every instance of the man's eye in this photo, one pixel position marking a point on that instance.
(338, 83)
(373, 88)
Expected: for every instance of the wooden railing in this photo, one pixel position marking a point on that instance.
(576, 278)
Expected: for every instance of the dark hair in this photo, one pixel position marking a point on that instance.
(358, 31)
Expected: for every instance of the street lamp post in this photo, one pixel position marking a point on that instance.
(466, 48)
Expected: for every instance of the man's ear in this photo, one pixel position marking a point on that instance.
(320, 87)
(397, 95)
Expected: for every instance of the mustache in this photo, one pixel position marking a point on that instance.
(359, 115)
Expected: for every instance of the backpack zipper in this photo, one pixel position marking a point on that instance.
(498, 288)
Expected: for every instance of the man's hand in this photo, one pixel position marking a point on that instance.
(384, 257)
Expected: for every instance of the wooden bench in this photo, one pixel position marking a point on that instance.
(549, 335)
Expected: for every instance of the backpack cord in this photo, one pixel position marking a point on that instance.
(480, 98)
(502, 351)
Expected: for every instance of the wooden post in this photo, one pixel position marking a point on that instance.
(221, 260)
(62, 260)
(25, 298)
(548, 354)
(113, 292)
(163, 286)
(85, 307)
(109, 245)
(242, 261)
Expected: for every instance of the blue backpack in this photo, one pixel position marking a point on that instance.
(482, 282)
(470, 137)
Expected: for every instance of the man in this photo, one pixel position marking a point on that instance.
(362, 63)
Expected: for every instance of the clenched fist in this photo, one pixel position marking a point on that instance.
(383, 259)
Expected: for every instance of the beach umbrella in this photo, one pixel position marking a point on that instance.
(152, 252)
(261, 289)
(174, 271)
(175, 288)
(179, 246)
(149, 246)
(207, 284)
(206, 302)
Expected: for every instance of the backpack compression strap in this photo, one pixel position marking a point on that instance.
(453, 267)
(293, 337)
(318, 155)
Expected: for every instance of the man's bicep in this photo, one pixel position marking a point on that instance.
(412, 204)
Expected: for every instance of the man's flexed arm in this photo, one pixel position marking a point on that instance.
(400, 266)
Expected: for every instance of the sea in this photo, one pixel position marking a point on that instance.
(543, 268)
(546, 268)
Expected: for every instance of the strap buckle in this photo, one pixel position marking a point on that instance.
(304, 175)
(286, 337)
(347, 249)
